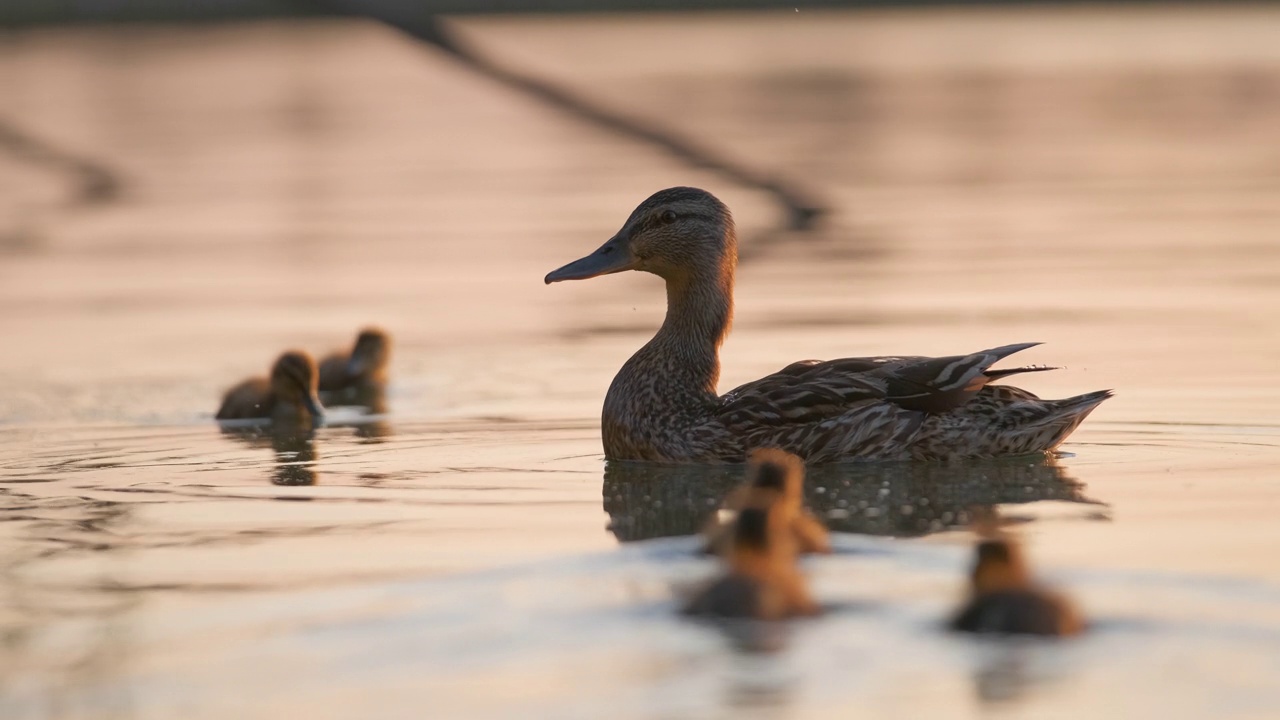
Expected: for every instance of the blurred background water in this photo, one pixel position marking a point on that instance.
(180, 202)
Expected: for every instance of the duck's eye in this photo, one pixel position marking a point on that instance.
(668, 217)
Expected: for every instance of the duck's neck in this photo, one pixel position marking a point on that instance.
(699, 314)
(668, 388)
(289, 412)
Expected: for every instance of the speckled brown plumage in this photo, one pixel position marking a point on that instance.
(898, 499)
(287, 397)
(663, 406)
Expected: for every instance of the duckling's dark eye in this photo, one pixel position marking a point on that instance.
(668, 217)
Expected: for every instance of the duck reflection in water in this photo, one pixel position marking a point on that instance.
(646, 500)
(295, 459)
(370, 421)
(372, 424)
(294, 450)
(1003, 674)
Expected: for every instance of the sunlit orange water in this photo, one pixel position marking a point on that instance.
(1103, 182)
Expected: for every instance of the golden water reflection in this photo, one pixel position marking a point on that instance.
(896, 499)
(1106, 190)
(372, 423)
(294, 449)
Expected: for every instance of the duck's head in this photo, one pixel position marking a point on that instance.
(371, 353)
(999, 565)
(677, 233)
(774, 469)
(294, 379)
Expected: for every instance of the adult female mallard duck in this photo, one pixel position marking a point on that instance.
(663, 406)
(287, 398)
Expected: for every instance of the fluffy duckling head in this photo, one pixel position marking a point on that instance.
(370, 355)
(779, 470)
(294, 380)
(678, 234)
(999, 565)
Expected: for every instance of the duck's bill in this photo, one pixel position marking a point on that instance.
(612, 257)
(356, 366)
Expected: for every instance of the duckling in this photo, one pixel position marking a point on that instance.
(1004, 599)
(762, 581)
(774, 477)
(287, 397)
(365, 366)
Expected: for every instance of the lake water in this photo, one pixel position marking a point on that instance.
(177, 205)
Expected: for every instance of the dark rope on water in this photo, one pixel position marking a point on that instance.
(95, 183)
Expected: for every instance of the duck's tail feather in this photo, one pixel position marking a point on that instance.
(1083, 404)
(938, 385)
(990, 356)
(1066, 415)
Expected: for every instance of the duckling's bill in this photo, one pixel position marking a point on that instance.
(313, 405)
(614, 256)
(357, 366)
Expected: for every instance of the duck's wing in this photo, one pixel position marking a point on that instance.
(812, 390)
(799, 395)
(939, 385)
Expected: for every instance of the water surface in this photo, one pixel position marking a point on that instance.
(1103, 182)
